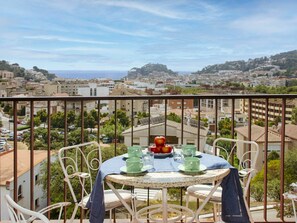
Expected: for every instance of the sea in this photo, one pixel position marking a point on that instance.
(90, 74)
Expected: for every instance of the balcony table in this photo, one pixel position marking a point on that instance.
(166, 175)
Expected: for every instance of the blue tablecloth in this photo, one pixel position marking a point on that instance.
(233, 208)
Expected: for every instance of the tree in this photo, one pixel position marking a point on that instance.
(259, 123)
(94, 114)
(7, 108)
(71, 117)
(141, 115)
(89, 121)
(273, 155)
(122, 118)
(174, 117)
(273, 175)
(41, 139)
(109, 130)
(204, 121)
(57, 120)
(42, 114)
(75, 137)
(225, 126)
(37, 121)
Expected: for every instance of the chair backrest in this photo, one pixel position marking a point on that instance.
(247, 152)
(17, 213)
(79, 163)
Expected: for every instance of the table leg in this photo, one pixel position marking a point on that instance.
(164, 204)
(127, 206)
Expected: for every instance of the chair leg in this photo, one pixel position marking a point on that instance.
(215, 212)
(74, 213)
(187, 199)
(110, 215)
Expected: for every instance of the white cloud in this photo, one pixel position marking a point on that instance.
(148, 8)
(65, 39)
(168, 9)
(266, 24)
(139, 33)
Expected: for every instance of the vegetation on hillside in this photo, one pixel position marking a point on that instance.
(286, 61)
(22, 72)
(149, 69)
(15, 68)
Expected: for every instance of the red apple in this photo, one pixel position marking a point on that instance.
(166, 149)
(153, 148)
(158, 149)
(159, 140)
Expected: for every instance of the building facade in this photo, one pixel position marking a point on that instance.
(7, 181)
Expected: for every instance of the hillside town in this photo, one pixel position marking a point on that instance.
(151, 116)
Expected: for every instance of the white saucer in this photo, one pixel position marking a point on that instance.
(143, 169)
(202, 168)
(126, 155)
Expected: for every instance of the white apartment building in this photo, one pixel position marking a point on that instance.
(7, 180)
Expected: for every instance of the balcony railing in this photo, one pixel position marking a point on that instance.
(211, 106)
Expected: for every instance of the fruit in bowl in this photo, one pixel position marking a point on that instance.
(159, 141)
(166, 149)
(160, 147)
(155, 149)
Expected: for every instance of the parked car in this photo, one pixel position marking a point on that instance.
(106, 140)
(5, 131)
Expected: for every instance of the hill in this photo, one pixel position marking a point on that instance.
(34, 74)
(150, 71)
(286, 61)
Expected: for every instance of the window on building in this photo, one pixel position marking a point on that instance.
(95, 91)
(37, 204)
(36, 179)
(91, 92)
(20, 192)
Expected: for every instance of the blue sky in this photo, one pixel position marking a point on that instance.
(119, 35)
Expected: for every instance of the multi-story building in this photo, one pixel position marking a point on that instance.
(69, 86)
(175, 104)
(23, 174)
(274, 108)
(4, 74)
(126, 105)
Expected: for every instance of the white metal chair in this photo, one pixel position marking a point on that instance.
(79, 164)
(246, 169)
(17, 213)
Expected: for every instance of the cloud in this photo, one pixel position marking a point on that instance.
(168, 9)
(139, 33)
(265, 24)
(151, 9)
(65, 39)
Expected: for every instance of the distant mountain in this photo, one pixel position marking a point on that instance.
(34, 74)
(151, 70)
(285, 61)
